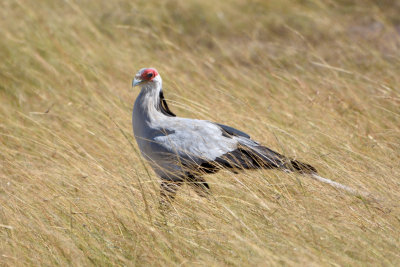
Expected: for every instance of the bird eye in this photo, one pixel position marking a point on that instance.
(149, 75)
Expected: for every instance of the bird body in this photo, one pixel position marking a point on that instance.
(182, 150)
(165, 140)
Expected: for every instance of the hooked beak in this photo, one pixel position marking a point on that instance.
(136, 82)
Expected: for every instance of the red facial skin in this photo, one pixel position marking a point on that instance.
(148, 74)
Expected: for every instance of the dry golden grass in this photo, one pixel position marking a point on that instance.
(316, 80)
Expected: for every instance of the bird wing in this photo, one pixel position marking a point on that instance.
(262, 156)
(198, 140)
(212, 146)
(232, 131)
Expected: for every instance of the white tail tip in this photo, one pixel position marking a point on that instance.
(336, 184)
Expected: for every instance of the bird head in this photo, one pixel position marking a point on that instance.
(146, 76)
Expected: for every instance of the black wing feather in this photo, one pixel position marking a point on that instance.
(228, 130)
(253, 157)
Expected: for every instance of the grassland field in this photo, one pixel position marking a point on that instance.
(315, 80)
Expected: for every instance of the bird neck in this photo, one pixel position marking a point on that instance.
(150, 105)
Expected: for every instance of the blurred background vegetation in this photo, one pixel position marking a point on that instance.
(316, 80)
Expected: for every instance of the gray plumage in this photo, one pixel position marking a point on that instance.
(182, 150)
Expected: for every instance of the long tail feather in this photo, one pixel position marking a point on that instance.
(293, 165)
(365, 194)
(263, 157)
(334, 184)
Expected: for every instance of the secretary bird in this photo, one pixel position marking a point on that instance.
(183, 150)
